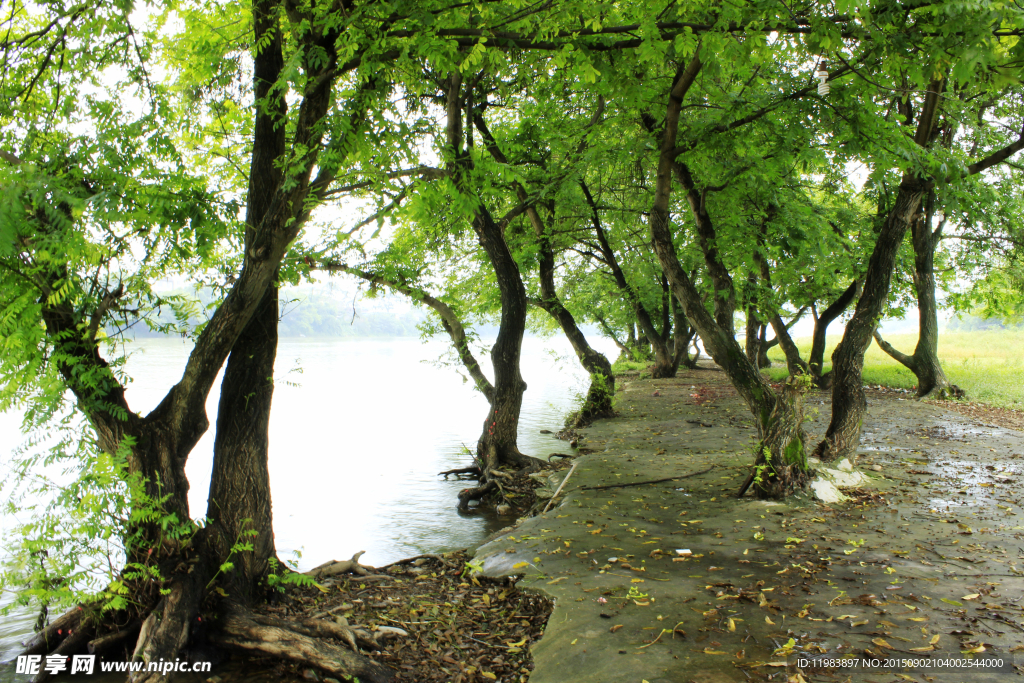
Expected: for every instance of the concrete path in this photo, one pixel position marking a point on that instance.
(930, 557)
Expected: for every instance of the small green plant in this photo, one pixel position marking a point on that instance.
(280, 577)
(473, 567)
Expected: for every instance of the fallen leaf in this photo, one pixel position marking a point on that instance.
(709, 651)
(615, 628)
(952, 602)
(880, 642)
(972, 596)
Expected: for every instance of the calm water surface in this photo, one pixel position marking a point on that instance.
(357, 445)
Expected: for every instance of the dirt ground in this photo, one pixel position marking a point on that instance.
(679, 581)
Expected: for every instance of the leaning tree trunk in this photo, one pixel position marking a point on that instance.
(778, 416)
(598, 402)
(848, 401)
(663, 361)
(816, 362)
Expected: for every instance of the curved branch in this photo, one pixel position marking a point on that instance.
(449, 320)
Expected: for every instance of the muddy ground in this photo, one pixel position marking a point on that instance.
(927, 561)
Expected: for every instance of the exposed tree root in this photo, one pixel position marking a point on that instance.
(475, 471)
(166, 630)
(466, 496)
(335, 567)
(415, 560)
(111, 643)
(54, 634)
(304, 640)
(944, 393)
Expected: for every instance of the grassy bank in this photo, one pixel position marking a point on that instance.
(988, 365)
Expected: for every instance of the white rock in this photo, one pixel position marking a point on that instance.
(825, 491)
(844, 479)
(844, 465)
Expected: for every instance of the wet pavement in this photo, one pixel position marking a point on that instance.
(679, 581)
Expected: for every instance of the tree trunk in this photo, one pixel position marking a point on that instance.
(794, 363)
(238, 504)
(763, 345)
(497, 445)
(682, 337)
(821, 323)
(848, 401)
(778, 416)
(598, 402)
(663, 361)
(931, 379)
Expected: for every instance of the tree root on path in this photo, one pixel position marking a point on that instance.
(641, 483)
(300, 640)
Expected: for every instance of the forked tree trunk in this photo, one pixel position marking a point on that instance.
(848, 401)
(821, 323)
(931, 379)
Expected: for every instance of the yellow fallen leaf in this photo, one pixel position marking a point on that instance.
(880, 642)
(906, 677)
(709, 651)
(922, 649)
(769, 621)
(917, 618)
(615, 628)
(731, 625)
(972, 596)
(574, 640)
(488, 675)
(859, 623)
(934, 640)
(974, 650)
(519, 644)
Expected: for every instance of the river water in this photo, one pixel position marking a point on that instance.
(359, 431)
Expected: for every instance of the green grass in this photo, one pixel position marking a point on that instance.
(988, 365)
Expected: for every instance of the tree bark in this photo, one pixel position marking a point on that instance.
(239, 504)
(848, 401)
(821, 323)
